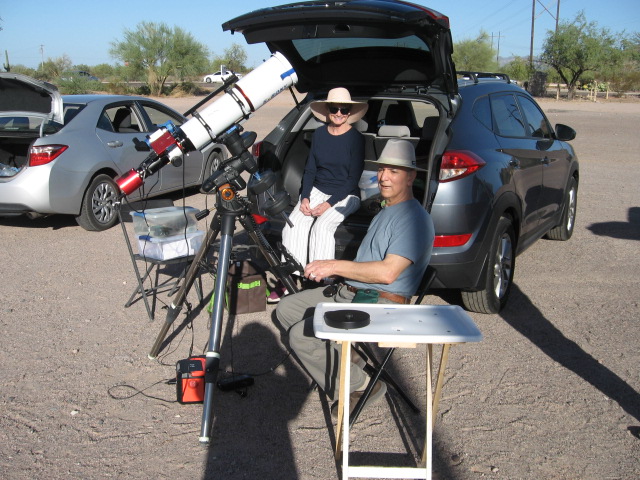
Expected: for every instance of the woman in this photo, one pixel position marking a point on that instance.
(329, 190)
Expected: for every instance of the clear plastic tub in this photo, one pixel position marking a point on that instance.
(166, 248)
(165, 221)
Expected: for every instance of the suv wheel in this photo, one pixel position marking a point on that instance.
(565, 229)
(498, 276)
(99, 205)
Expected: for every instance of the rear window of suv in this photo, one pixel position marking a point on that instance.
(317, 47)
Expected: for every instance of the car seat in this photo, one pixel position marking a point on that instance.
(122, 121)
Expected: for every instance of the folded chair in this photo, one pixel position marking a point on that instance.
(376, 368)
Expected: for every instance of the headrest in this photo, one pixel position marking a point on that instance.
(394, 131)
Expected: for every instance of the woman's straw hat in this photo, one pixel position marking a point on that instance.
(338, 96)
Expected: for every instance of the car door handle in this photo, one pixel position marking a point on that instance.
(546, 160)
(115, 144)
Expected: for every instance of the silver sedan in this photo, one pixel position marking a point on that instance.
(60, 154)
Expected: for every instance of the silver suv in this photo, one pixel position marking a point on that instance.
(499, 175)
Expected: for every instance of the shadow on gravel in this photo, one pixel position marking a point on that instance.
(250, 433)
(53, 222)
(525, 318)
(623, 230)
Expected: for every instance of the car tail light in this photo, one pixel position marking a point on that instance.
(41, 155)
(457, 164)
(451, 240)
(255, 150)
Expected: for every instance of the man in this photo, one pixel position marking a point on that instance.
(388, 267)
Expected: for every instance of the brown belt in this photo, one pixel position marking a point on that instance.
(394, 297)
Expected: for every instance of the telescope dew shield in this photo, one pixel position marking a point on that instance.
(247, 95)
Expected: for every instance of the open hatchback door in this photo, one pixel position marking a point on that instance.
(365, 43)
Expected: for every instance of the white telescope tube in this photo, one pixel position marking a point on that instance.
(249, 94)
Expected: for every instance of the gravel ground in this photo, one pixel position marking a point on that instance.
(552, 392)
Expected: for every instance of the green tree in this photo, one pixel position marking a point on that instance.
(627, 76)
(233, 58)
(475, 54)
(103, 71)
(518, 69)
(159, 51)
(578, 47)
(53, 69)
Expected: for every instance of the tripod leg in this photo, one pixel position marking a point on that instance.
(213, 354)
(189, 278)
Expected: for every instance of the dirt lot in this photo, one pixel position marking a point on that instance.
(552, 392)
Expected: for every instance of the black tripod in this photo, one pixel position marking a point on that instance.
(230, 207)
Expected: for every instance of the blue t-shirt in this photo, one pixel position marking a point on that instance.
(404, 229)
(335, 164)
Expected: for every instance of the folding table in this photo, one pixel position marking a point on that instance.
(397, 326)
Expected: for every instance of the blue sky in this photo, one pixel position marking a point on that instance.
(83, 30)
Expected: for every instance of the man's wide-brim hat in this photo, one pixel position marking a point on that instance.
(338, 96)
(396, 153)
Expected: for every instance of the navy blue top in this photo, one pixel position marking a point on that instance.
(335, 164)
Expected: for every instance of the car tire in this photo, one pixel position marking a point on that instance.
(214, 162)
(207, 80)
(98, 210)
(565, 229)
(498, 274)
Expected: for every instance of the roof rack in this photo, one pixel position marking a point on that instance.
(476, 75)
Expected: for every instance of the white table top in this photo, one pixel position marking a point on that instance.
(401, 323)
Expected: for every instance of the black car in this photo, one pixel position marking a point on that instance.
(499, 177)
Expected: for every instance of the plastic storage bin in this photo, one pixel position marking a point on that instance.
(165, 221)
(166, 248)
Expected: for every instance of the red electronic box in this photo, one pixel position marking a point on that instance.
(190, 379)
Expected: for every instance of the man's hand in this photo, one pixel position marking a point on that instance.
(319, 269)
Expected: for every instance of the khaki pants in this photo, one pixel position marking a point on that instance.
(320, 358)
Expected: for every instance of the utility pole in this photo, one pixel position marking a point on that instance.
(533, 22)
(498, 51)
(42, 55)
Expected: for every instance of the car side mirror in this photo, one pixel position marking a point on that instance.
(564, 132)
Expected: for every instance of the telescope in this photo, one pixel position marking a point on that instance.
(169, 143)
(219, 123)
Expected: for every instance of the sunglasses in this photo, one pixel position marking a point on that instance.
(342, 110)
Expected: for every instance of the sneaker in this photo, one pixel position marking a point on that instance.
(377, 393)
(277, 293)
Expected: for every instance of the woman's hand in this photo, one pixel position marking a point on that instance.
(305, 208)
(320, 209)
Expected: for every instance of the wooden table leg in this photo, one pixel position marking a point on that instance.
(427, 453)
(341, 396)
(441, 369)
